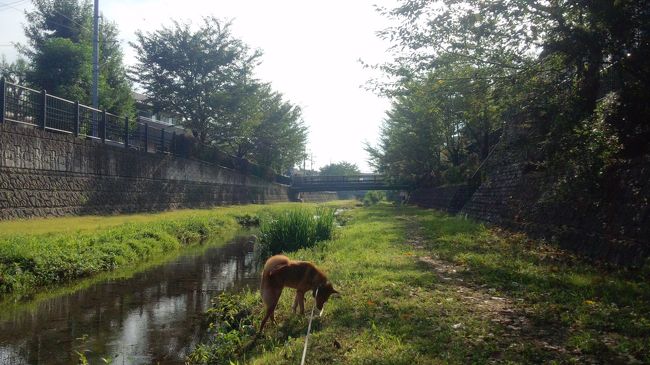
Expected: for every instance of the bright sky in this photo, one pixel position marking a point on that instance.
(311, 52)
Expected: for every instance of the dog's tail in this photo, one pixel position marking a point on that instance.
(267, 274)
(278, 269)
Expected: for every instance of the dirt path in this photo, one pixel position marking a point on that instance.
(509, 313)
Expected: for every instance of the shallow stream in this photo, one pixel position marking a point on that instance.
(153, 317)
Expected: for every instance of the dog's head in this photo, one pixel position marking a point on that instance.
(323, 294)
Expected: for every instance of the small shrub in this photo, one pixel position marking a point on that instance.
(295, 229)
(248, 220)
(373, 197)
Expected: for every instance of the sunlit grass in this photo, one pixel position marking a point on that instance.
(66, 249)
(90, 223)
(396, 309)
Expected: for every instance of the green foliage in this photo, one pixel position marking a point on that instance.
(59, 54)
(206, 77)
(588, 152)
(341, 168)
(202, 75)
(296, 228)
(248, 220)
(28, 261)
(546, 62)
(13, 72)
(422, 287)
(230, 324)
(114, 85)
(62, 67)
(438, 128)
(279, 140)
(373, 198)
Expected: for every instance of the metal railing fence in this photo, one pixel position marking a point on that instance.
(20, 104)
(349, 179)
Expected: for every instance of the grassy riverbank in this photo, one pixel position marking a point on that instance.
(419, 287)
(41, 253)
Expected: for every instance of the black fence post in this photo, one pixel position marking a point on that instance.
(77, 119)
(102, 127)
(42, 122)
(126, 132)
(172, 149)
(162, 140)
(3, 99)
(146, 137)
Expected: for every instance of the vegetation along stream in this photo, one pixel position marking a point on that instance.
(153, 316)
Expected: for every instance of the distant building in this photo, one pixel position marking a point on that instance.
(162, 127)
(145, 109)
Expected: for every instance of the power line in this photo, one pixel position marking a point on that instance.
(72, 20)
(2, 5)
(7, 6)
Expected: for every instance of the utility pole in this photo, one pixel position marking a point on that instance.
(95, 92)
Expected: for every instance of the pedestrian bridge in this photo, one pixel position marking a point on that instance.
(343, 183)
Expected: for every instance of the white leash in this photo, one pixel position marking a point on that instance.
(304, 351)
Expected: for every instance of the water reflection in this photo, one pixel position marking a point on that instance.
(153, 317)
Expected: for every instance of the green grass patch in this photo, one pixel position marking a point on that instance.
(38, 257)
(595, 311)
(397, 308)
(15, 303)
(230, 326)
(29, 261)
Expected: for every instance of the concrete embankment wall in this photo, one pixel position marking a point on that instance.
(49, 174)
(318, 197)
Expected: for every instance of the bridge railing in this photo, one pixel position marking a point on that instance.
(370, 179)
(23, 105)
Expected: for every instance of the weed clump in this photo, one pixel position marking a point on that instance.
(248, 220)
(230, 324)
(373, 198)
(294, 229)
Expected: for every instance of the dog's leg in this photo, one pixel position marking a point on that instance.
(295, 302)
(299, 301)
(300, 297)
(270, 296)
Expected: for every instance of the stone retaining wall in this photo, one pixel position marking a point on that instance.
(49, 174)
(450, 198)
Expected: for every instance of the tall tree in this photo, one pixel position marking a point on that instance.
(59, 54)
(568, 78)
(201, 75)
(576, 46)
(205, 75)
(279, 140)
(341, 168)
(438, 127)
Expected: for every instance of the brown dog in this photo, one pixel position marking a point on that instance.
(280, 271)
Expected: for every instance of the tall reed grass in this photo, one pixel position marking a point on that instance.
(295, 229)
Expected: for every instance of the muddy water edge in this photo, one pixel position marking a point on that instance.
(152, 317)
